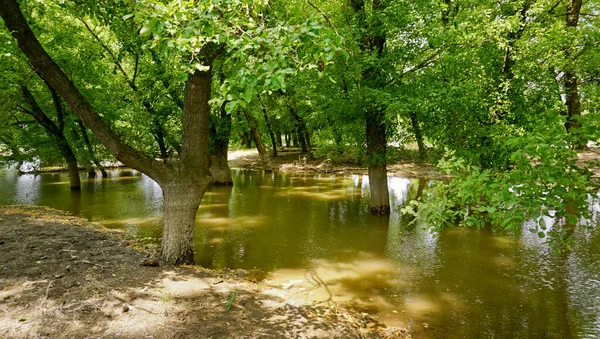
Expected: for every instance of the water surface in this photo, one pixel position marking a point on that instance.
(314, 235)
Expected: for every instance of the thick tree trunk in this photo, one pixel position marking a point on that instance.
(270, 129)
(219, 167)
(376, 153)
(260, 146)
(181, 201)
(418, 135)
(188, 176)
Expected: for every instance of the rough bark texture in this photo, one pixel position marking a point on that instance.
(260, 146)
(219, 167)
(181, 201)
(56, 132)
(188, 176)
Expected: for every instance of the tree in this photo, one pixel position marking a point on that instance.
(201, 33)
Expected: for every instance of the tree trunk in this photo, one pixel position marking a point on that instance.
(418, 135)
(278, 138)
(56, 132)
(246, 139)
(260, 146)
(270, 129)
(301, 140)
(90, 150)
(71, 160)
(188, 176)
(303, 135)
(373, 41)
(219, 167)
(376, 154)
(182, 180)
(571, 80)
(288, 139)
(181, 201)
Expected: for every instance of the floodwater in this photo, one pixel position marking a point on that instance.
(313, 235)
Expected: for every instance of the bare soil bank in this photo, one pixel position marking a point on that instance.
(62, 276)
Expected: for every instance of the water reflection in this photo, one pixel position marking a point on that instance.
(314, 235)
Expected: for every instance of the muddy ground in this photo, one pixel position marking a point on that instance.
(64, 277)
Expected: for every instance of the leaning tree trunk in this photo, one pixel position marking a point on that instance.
(55, 130)
(260, 146)
(219, 167)
(376, 154)
(182, 180)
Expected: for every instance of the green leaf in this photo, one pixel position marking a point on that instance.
(145, 30)
(231, 106)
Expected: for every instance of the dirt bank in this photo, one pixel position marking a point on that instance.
(291, 160)
(61, 276)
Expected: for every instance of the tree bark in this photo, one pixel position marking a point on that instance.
(270, 129)
(373, 42)
(376, 153)
(219, 168)
(278, 138)
(418, 135)
(45, 66)
(260, 146)
(188, 176)
(303, 135)
(56, 132)
(181, 201)
(571, 80)
(90, 149)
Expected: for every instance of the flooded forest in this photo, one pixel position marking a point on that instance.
(292, 168)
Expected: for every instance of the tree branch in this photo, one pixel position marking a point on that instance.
(45, 66)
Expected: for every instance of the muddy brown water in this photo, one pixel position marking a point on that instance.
(313, 235)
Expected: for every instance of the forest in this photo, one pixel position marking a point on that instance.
(502, 97)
